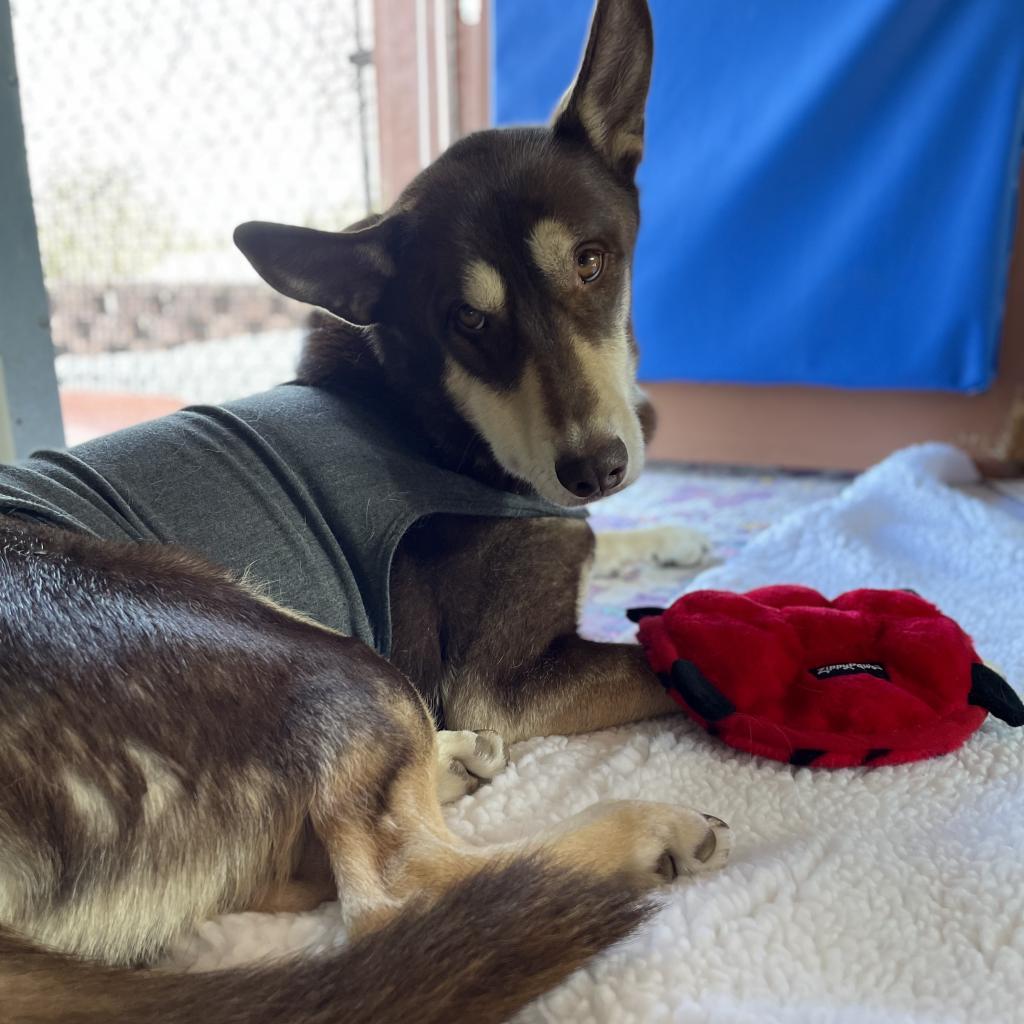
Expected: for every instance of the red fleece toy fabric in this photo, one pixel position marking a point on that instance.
(875, 677)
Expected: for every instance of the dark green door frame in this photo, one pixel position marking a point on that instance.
(29, 408)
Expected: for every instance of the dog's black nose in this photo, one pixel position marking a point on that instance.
(600, 472)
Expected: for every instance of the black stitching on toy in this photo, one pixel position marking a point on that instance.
(699, 693)
(804, 756)
(636, 614)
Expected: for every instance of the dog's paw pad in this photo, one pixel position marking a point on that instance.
(490, 755)
(466, 759)
(677, 842)
(453, 781)
(712, 852)
(690, 853)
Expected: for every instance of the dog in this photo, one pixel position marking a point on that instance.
(174, 743)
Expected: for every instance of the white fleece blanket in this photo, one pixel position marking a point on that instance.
(886, 895)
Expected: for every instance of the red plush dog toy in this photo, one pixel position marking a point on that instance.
(874, 677)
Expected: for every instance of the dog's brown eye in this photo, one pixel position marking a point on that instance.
(589, 264)
(470, 318)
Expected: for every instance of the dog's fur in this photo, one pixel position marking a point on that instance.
(173, 745)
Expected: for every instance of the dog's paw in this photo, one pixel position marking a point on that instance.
(679, 546)
(618, 550)
(465, 759)
(674, 842)
(681, 857)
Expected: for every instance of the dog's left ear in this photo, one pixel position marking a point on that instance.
(344, 272)
(605, 106)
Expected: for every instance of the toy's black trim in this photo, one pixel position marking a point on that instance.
(694, 687)
(636, 614)
(804, 756)
(989, 690)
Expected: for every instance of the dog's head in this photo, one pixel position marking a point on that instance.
(500, 279)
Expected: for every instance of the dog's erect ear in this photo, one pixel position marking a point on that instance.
(344, 272)
(605, 105)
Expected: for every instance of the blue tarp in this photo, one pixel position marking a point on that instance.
(827, 189)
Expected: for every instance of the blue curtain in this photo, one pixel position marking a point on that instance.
(828, 187)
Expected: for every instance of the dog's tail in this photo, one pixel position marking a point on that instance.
(490, 945)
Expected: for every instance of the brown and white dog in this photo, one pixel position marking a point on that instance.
(173, 745)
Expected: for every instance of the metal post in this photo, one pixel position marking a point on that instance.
(361, 58)
(29, 407)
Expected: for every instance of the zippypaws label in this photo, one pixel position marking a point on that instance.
(850, 668)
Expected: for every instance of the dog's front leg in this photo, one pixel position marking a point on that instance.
(574, 685)
(496, 644)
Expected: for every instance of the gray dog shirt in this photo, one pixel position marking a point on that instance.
(300, 490)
